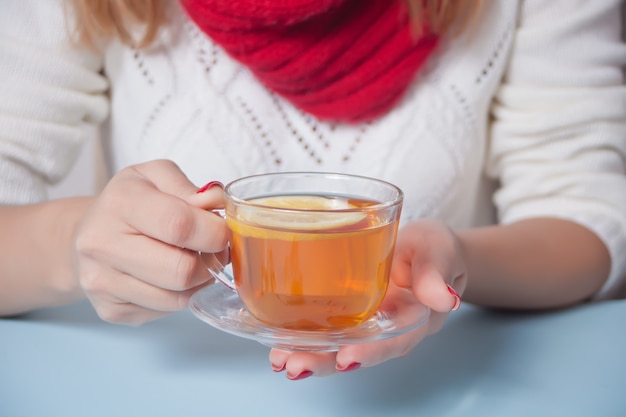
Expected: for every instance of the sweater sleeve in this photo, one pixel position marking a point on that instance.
(50, 92)
(558, 141)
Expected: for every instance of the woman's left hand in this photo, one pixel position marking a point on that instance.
(428, 261)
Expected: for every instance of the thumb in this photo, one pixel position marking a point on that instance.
(208, 197)
(169, 178)
(431, 289)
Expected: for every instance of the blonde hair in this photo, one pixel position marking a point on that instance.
(449, 17)
(94, 19)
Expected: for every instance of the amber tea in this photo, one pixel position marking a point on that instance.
(310, 251)
(311, 262)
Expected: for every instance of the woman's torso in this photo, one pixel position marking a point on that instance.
(185, 100)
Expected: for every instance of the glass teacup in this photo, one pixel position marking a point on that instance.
(310, 251)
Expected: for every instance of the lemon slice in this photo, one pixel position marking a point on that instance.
(327, 212)
(304, 202)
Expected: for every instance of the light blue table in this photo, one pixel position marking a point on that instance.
(66, 362)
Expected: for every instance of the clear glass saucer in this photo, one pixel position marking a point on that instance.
(220, 307)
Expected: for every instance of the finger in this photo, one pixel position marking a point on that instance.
(351, 357)
(400, 273)
(170, 179)
(278, 359)
(426, 282)
(107, 289)
(166, 217)
(300, 365)
(166, 177)
(427, 261)
(208, 197)
(124, 313)
(157, 263)
(401, 299)
(431, 289)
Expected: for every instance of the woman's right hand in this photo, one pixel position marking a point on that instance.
(137, 247)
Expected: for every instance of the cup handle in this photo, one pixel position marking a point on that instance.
(214, 266)
(217, 270)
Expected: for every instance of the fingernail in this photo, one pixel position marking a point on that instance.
(209, 185)
(351, 367)
(457, 298)
(277, 368)
(304, 374)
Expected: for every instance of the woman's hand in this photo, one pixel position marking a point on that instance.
(137, 247)
(429, 261)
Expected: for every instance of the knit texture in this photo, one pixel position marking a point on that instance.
(537, 107)
(340, 60)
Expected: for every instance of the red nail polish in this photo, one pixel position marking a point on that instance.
(209, 185)
(276, 368)
(457, 298)
(304, 374)
(351, 367)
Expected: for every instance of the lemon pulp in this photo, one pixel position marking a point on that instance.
(326, 213)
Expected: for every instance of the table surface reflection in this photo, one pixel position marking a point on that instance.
(67, 362)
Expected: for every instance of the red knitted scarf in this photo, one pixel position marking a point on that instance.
(339, 60)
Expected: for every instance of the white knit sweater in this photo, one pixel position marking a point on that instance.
(530, 103)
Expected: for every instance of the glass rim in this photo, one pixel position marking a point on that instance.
(397, 200)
